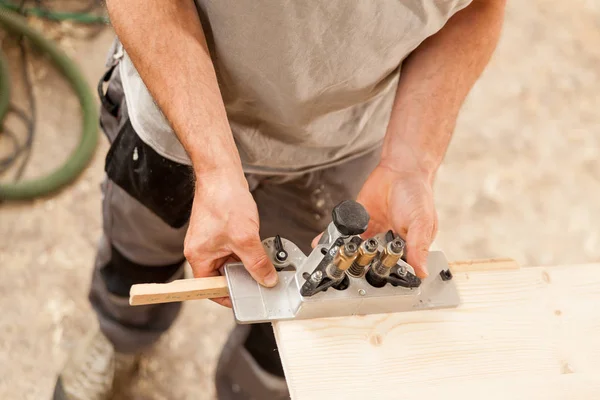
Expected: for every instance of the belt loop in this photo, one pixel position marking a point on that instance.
(115, 55)
(113, 109)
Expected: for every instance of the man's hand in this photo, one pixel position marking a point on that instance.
(402, 201)
(183, 82)
(398, 194)
(223, 228)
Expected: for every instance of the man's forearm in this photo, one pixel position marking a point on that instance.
(166, 44)
(434, 82)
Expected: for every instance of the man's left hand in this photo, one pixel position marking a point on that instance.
(402, 201)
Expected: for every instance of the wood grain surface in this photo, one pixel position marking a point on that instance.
(529, 333)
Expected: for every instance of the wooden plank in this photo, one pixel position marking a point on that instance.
(179, 290)
(529, 333)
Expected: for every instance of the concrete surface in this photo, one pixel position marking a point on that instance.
(521, 179)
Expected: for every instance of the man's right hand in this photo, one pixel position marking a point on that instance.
(183, 82)
(223, 228)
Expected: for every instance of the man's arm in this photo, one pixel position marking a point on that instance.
(166, 43)
(434, 82)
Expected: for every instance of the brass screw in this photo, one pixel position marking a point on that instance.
(366, 252)
(391, 254)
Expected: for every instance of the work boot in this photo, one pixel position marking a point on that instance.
(239, 377)
(95, 370)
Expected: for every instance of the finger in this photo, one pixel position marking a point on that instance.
(224, 301)
(209, 267)
(252, 253)
(205, 257)
(435, 226)
(232, 258)
(418, 240)
(315, 241)
(375, 228)
(212, 269)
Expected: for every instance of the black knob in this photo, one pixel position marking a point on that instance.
(280, 254)
(350, 218)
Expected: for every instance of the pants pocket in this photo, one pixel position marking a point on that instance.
(163, 186)
(112, 102)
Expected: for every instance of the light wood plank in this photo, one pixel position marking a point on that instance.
(530, 333)
(179, 290)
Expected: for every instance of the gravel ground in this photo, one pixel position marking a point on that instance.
(521, 179)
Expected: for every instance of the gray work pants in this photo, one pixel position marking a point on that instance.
(143, 237)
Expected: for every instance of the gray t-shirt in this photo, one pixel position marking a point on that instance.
(306, 84)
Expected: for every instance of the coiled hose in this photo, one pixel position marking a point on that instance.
(78, 160)
(4, 87)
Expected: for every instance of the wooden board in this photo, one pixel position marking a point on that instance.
(529, 333)
(179, 290)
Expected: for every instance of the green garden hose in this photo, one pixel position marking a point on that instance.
(4, 87)
(85, 18)
(80, 157)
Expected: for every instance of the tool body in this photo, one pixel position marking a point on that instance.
(343, 275)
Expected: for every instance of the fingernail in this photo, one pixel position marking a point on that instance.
(271, 279)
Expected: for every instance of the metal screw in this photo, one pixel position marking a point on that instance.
(371, 245)
(350, 248)
(397, 246)
(361, 292)
(316, 276)
(333, 251)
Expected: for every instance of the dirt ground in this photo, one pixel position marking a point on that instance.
(521, 179)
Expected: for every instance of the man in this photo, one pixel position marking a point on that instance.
(231, 121)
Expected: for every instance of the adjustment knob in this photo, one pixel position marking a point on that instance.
(280, 254)
(350, 218)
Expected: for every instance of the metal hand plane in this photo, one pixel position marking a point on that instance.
(343, 275)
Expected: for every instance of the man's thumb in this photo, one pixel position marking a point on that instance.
(252, 254)
(418, 241)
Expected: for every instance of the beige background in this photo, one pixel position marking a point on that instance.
(521, 179)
